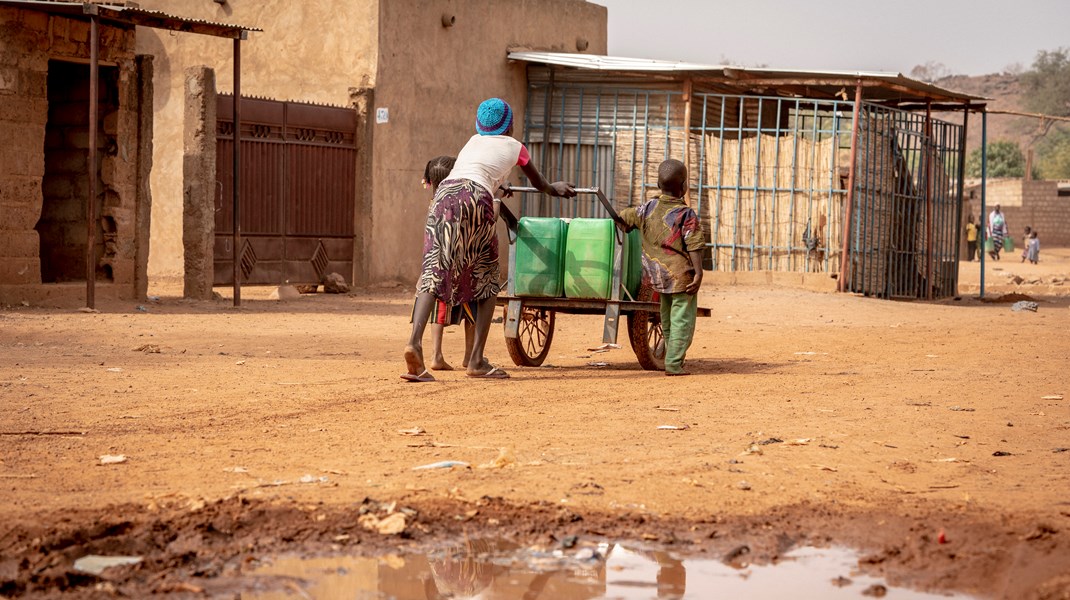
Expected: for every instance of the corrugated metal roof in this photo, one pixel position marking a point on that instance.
(879, 85)
(128, 14)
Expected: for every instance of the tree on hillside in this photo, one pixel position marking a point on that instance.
(930, 71)
(1005, 159)
(1047, 85)
(1053, 154)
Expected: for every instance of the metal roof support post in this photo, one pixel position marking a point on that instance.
(236, 183)
(687, 137)
(959, 190)
(984, 183)
(841, 284)
(927, 156)
(91, 202)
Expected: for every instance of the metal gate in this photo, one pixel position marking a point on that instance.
(298, 192)
(769, 177)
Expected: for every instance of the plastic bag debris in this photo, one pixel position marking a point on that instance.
(312, 479)
(1052, 397)
(96, 564)
(413, 431)
(442, 464)
(112, 459)
(673, 427)
(1024, 305)
(598, 364)
(115, 370)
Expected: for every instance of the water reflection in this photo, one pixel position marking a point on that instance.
(498, 570)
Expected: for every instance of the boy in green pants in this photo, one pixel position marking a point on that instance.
(672, 259)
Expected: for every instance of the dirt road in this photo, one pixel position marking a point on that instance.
(817, 418)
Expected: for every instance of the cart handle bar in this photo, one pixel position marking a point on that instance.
(592, 190)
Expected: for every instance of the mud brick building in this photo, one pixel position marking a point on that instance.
(344, 103)
(1040, 204)
(44, 125)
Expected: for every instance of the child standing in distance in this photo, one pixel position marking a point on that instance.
(437, 169)
(1032, 248)
(971, 238)
(672, 259)
(1025, 242)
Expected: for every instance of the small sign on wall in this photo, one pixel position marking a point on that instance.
(382, 115)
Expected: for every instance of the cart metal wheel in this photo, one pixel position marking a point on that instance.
(532, 343)
(644, 332)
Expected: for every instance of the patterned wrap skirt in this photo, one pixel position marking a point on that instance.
(460, 244)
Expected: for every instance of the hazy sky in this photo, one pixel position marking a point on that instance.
(970, 37)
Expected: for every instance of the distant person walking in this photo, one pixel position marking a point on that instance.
(971, 238)
(997, 230)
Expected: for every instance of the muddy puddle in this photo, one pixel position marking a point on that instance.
(489, 570)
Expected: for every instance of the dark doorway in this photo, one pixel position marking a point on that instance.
(62, 227)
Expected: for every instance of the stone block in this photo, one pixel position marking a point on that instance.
(9, 80)
(17, 110)
(18, 271)
(20, 244)
(14, 161)
(57, 188)
(67, 161)
(20, 190)
(35, 20)
(79, 32)
(33, 83)
(111, 122)
(70, 114)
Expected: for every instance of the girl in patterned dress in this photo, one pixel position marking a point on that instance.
(460, 262)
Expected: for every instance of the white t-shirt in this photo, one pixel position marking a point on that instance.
(488, 159)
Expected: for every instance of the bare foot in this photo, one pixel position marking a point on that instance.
(440, 364)
(414, 360)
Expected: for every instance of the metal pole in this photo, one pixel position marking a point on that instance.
(688, 87)
(840, 283)
(984, 184)
(91, 203)
(927, 151)
(236, 177)
(961, 184)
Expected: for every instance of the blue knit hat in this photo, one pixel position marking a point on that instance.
(493, 117)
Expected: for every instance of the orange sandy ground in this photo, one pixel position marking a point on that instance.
(877, 403)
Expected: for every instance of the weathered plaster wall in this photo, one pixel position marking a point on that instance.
(28, 40)
(431, 78)
(309, 51)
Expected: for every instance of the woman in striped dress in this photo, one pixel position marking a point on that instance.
(997, 230)
(460, 262)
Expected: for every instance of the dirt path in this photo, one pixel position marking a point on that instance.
(821, 417)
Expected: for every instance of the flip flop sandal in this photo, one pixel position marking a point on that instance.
(421, 378)
(493, 373)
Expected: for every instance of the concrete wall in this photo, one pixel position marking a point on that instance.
(309, 51)
(28, 40)
(431, 78)
(1033, 203)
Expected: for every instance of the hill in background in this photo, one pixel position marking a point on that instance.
(1004, 93)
